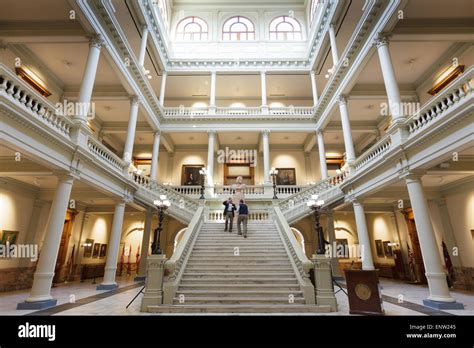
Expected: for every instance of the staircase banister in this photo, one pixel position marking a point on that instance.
(187, 239)
(306, 264)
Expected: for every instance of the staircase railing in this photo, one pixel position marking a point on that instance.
(182, 207)
(294, 206)
(301, 264)
(175, 266)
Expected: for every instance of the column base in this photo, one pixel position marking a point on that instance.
(107, 287)
(442, 305)
(139, 278)
(37, 304)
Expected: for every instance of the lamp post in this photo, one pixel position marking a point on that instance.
(161, 205)
(316, 204)
(273, 174)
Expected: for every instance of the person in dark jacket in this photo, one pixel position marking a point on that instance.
(229, 214)
(243, 218)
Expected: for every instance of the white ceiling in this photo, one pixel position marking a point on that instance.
(40, 10)
(68, 62)
(410, 60)
(439, 9)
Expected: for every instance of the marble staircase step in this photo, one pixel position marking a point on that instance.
(240, 308)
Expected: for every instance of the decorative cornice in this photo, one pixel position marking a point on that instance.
(97, 41)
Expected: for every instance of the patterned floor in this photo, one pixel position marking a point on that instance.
(83, 299)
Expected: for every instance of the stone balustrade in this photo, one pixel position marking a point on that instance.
(22, 94)
(452, 95)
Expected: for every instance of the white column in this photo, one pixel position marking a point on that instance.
(141, 55)
(154, 155)
(314, 88)
(108, 282)
(145, 245)
(212, 102)
(435, 274)
(266, 156)
(332, 39)
(132, 125)
(336, 272)
(210, 157)
(363, 235)
(87, 84)
(263, 80)
(322, 155)
(391, 86)
(346, 129)
(448, 231)
(163, 87)
(40, 296)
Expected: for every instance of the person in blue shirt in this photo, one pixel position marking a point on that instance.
(243, 218)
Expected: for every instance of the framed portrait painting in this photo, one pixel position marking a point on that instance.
(387, 248)
(9, 237)
(96, 250)
(88, 247)
(379, 247)
(190, 174)
(103, 250)
(286, 176)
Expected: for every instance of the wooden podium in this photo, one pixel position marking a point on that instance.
(364, 292)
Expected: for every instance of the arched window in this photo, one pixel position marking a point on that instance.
(192, 29)
(238, 29)
(285, 28)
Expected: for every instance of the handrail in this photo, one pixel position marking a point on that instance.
(191, 112)
(43, 110)
(303, 196)
(179, 202)
(176, 265)
(375, 151)
(451, 95)
(100, 150)
(301, 264)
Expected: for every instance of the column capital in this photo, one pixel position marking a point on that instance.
(213, 72)
(145, 27)
(164, 73)
(265, 132)
(411, 175)
(211, 132)
(319, 132)
(353, 199)
(66, 177)
(97, 41)
(381, 40)
(312, 73)
(134, 100)
(263, 72)
(342, 99)
(157, 133)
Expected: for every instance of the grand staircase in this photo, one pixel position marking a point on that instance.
(229, 274)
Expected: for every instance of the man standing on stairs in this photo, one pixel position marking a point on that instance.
(243, 217)
(229, 214)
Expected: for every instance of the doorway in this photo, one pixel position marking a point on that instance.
(60, 271)
(417, 270)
